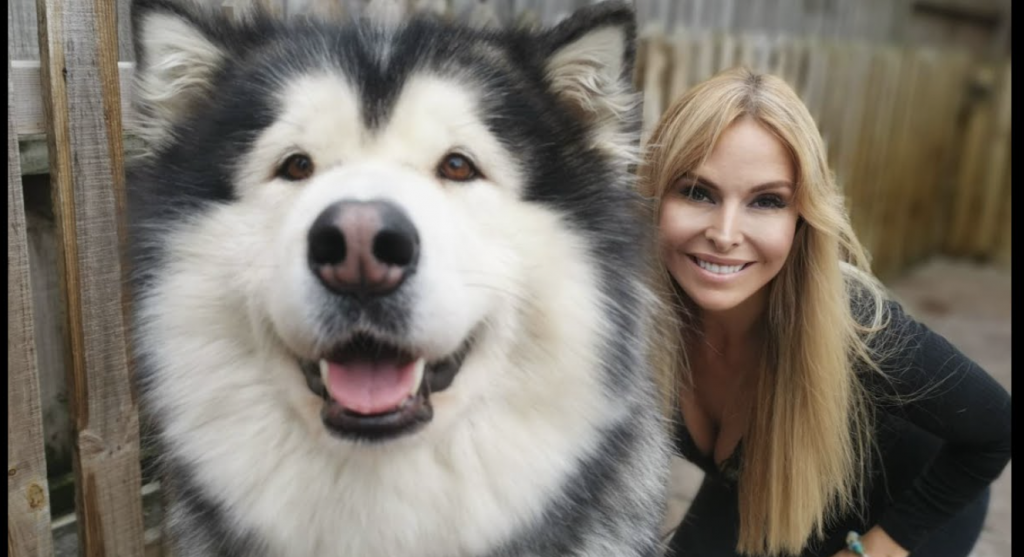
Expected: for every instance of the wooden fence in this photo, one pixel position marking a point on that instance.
(918, 137)
(80, 92)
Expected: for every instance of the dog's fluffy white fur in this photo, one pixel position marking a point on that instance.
(231, 304)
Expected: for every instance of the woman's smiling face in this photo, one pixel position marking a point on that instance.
(727, 228)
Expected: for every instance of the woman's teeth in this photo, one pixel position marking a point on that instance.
(719, 269)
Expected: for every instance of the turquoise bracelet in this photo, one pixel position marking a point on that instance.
(854, 545)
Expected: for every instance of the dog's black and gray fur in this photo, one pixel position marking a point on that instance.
(493, 166)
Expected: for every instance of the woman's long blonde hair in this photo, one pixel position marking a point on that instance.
(806, 446)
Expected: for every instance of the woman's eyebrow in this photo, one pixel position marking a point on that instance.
(697, 179)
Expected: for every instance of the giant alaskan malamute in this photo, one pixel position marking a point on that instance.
(389, 295)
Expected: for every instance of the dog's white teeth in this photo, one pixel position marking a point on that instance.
(417, 378)
(324, 371)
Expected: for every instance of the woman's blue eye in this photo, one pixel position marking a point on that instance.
(695, 193)
(769, 201)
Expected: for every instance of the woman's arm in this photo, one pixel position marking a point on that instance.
(934, 386)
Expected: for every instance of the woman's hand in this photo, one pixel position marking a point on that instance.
(877, 544)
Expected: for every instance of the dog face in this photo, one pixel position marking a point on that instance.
(385, 255)
(376, 205)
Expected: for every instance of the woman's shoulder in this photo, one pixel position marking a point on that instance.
(892, 337)
(912, 358)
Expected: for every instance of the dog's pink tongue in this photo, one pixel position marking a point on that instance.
(369, 387)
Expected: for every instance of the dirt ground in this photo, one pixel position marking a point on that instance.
(970, 306)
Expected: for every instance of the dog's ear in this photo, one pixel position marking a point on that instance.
(589, 64)
(178, 48)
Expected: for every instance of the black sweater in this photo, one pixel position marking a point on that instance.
(942, 434)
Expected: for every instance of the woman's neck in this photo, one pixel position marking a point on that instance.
(736, 332)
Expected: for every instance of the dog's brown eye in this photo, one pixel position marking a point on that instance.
(457, 168)
(296, 167)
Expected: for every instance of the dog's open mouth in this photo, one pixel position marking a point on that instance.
(374, 389)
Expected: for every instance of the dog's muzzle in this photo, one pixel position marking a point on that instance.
(373, 387)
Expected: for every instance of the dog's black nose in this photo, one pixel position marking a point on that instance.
(363, 247)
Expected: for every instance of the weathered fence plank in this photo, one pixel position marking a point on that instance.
(28, 497)
(992, 185)
(78, 55)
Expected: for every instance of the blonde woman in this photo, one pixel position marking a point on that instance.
(814, 404)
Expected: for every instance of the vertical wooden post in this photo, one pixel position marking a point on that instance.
(899, 176)
(968, 203)
(78, 56)
(28, 497)
(993, 188)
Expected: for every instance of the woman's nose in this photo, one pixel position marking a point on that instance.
(724, 229)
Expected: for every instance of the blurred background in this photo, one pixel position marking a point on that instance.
(912, 97)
